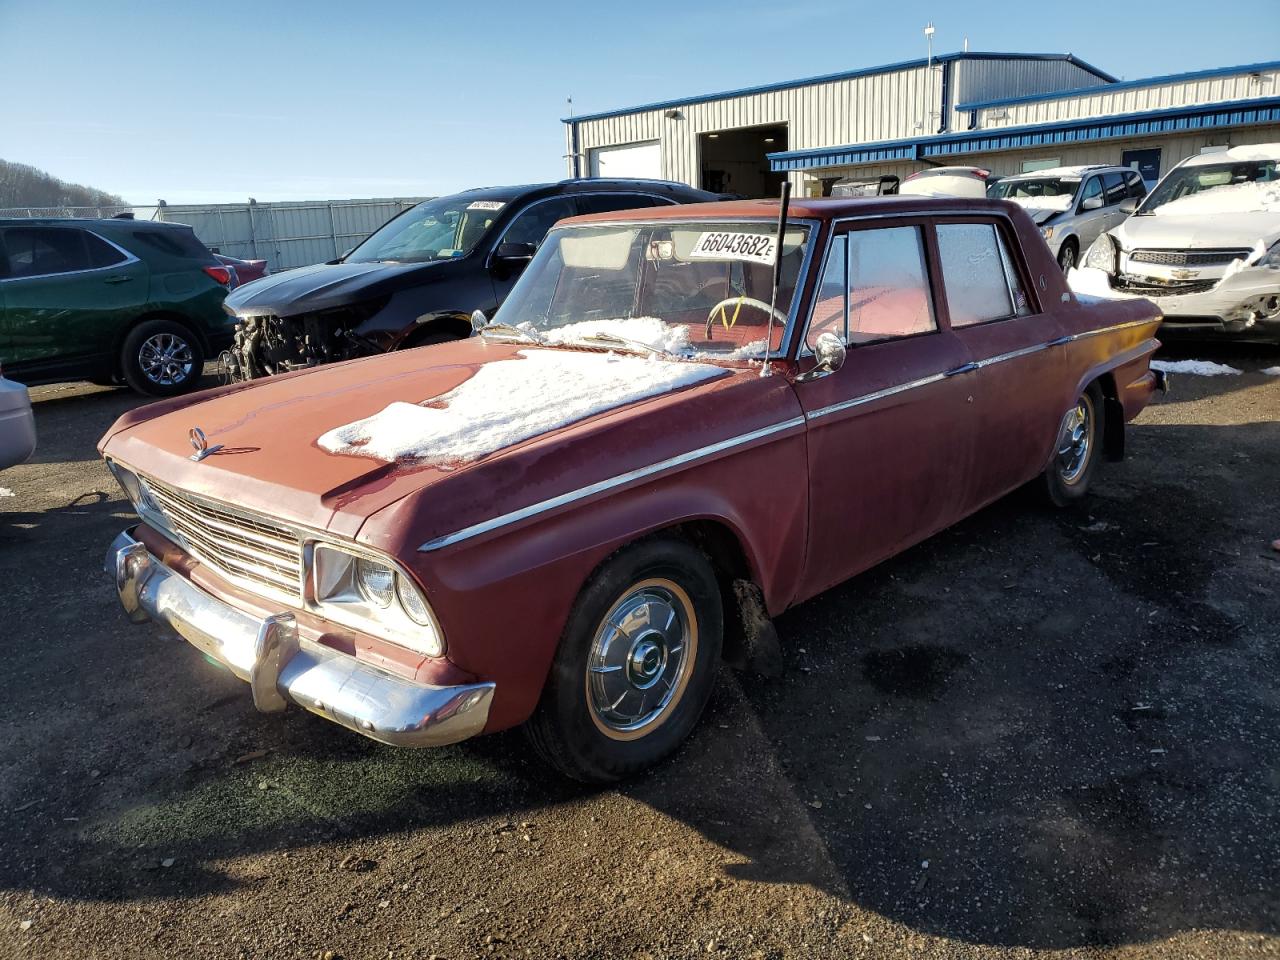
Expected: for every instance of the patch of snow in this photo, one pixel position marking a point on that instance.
(1272, 371)
(1199, 368)
(1061, 201)
(1091, 283)
(1253, 151)
(653, 332)
(748, 351)
(508, 401)
(1229, 198)
(1055, 173)
(6, 492)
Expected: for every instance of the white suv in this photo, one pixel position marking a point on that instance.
(1073, 206)
(1204, 246)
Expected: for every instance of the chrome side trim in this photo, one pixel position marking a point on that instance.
(1118, 326)
(631, 476)
(872, 397)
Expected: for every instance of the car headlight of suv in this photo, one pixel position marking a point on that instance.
(1104, 254)
(373, 595)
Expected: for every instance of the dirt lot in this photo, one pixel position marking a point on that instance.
(1038, 734)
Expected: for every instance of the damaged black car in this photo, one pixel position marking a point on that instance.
(419, 277)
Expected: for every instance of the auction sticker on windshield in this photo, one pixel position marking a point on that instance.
(486, 205)
(723, 245)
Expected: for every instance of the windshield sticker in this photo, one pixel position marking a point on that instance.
(486, 205)
(718, 245)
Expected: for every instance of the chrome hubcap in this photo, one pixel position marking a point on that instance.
(166, 359)
(640, 659)
(1075, 441)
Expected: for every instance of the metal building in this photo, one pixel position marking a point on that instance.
(1008, 112)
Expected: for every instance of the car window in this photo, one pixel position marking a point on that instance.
(101, 253)
(1113, 188)
(608, 202)
(1092, 188)
(875, 287)
(977, 271)
(175, 243)
(39, 251)
(832, 303)
(1137, 186)
(532, 225)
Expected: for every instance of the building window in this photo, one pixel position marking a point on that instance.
(1031, 166)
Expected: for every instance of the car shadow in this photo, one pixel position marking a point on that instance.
(1037, 729)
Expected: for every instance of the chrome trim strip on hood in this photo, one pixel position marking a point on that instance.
(640, 473)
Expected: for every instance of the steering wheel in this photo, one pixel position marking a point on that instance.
(737, 303)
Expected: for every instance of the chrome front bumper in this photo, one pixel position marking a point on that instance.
(279, 667)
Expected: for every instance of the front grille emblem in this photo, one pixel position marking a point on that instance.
(200, 444)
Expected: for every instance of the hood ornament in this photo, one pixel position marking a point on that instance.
(200, 444)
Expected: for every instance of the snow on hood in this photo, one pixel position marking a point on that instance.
(1056, 203)
(508, 401)
(1199, 231)
(1257, 196)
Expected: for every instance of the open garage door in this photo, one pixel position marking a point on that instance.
(736, 161)
(642, 160)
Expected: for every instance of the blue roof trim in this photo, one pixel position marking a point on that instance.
(833, 77)
(1199, 117)
(1124, 85)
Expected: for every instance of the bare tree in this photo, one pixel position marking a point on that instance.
(22, 185)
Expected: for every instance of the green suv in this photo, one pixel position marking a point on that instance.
(109, 301)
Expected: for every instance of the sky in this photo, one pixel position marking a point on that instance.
(284, 100)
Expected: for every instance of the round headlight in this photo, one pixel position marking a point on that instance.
(412, 602)
(376, 581)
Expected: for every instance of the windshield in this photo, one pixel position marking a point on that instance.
(436, 230)
(693, 289)
(1051, 192)
(1238, 187)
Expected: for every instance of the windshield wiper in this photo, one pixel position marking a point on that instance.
(506, 331)
(613, 340)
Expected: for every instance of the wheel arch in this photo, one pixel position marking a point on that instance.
(453, 323)
(174, 316)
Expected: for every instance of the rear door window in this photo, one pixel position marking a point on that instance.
(43, 251)
(979, 275)
(532, 225)
(1137, 187)
(1114, 188)
(101, 253)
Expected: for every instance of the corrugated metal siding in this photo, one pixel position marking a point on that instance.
(975, 80)
(878, 107)
(1174, 149)
(286, 235)
(1242, 86)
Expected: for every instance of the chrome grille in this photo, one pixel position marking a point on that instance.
(244, 547)
(1189, 258)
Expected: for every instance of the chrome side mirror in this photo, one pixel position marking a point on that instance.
(829, 350)
(478, 320)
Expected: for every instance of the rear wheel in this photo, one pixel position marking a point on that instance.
(1076, 451)
(1069, 255)
(161, 358)
(636, 663)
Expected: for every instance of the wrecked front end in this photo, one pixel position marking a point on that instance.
(264, 345)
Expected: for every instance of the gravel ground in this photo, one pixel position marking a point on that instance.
(1037, 735)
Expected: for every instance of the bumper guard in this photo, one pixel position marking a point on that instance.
(279, 667)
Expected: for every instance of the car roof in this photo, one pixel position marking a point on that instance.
(806, 208)
(1068, 173)
(1254, 151)
(86, 222)
(587, 185)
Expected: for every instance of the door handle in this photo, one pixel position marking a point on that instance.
(965, 368)
(117, 279)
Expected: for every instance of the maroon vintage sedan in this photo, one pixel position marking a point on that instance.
(657, 444)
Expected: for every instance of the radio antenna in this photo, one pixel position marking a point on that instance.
(777, 272)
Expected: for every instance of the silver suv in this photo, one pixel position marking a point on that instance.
(1073, 206)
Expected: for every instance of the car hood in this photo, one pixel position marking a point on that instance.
(325, 286)
(271, 460)
(1042, 215)
(1199, 231)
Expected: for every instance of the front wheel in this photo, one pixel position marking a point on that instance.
(1068, 256)
(1075, 454)
(635, 666)
(161, 358)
